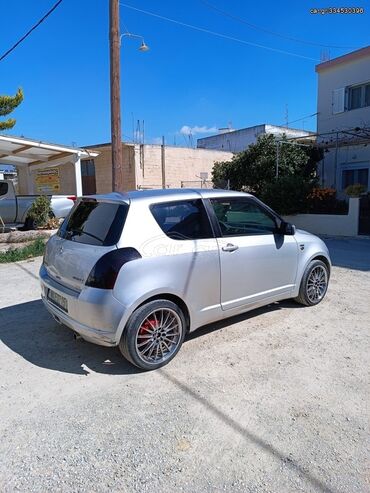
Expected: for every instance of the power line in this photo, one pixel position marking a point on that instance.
(300, 119)
(258, 28)
(220, 35)
(30, 31)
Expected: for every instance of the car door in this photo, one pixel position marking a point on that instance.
(190, 262)
(257, 263)
(7, 203)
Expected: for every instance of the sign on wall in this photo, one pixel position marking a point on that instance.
(47, 181)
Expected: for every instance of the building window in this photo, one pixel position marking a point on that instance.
(354, 176)
(367, 95)
(358, 96)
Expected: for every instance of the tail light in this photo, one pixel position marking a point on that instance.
(72, 197)
(104, 273)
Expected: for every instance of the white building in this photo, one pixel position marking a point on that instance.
(238, 140)
(343, 121)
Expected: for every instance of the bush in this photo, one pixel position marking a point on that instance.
(254, 169)
(40, 211)
(355, 190)
(324, 201)
(287, 195)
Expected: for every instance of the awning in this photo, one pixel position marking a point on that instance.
(33, 154)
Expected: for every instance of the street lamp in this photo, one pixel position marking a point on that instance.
(143, 47)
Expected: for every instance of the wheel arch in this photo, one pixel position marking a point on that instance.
(323, 259)
(175, 299)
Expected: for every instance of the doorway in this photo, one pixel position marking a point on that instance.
(88, 177)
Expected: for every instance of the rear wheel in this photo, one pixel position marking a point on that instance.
(314, 283)
(29, 224)
(153, 335)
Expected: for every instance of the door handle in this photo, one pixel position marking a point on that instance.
(230, 248)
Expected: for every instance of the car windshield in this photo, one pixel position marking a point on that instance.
(95, 223)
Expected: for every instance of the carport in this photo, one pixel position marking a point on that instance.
(31, 155)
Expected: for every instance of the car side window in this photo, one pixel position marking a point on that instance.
(183, 220)
(3, 188)
(242, 217)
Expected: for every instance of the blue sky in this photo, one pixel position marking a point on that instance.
(188, 78)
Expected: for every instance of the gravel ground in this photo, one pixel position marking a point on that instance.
(273, 401)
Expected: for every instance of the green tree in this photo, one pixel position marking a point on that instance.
(7, 105)
(254, 169)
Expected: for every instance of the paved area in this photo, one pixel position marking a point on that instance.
(352, 253)
(273, 401)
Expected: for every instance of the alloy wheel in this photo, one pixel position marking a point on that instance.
(317, 283)
(159, 336)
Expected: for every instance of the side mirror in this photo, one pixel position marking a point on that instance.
(287, 229)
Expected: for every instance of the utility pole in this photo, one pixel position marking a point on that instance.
(163, 163)
(115, 96)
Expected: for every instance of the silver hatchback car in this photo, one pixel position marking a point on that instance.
(141, 269)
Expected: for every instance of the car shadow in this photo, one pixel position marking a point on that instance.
(30, 331)
(226, 322)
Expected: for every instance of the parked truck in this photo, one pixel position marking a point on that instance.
(14, 208)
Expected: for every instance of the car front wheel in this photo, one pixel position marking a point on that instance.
(314, 283)
(153, 335)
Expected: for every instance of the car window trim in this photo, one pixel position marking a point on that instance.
(269, 212)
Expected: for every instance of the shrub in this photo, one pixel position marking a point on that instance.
(355, 190)
(324, 201)
(287, 195)
(254, 169)
(40, 211)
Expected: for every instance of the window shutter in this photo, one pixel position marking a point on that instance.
(338, 100)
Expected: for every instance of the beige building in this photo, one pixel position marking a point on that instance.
(343, 121)
(142, 167)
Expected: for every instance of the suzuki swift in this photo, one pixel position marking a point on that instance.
(142, 269)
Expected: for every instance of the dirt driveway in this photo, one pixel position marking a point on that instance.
(275, 401)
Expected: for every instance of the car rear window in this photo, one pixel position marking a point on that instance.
(95, 223)
(183, 220)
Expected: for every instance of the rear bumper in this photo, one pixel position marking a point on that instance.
(92, 313)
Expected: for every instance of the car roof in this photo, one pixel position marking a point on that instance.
(157, 195)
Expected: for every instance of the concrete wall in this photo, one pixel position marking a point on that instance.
(142, 166)
(329, 224)
(181, 164)
(338, 76)
(103, 167)
(66, 179)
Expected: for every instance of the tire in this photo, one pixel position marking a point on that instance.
(314, 283)
(29, 224)
(162, 324)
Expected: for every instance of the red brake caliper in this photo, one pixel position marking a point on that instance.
(147, 327)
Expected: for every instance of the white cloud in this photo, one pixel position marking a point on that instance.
(186, 130)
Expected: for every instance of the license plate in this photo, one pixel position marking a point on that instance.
(58, 300)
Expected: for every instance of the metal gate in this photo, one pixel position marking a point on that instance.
(364, 217)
